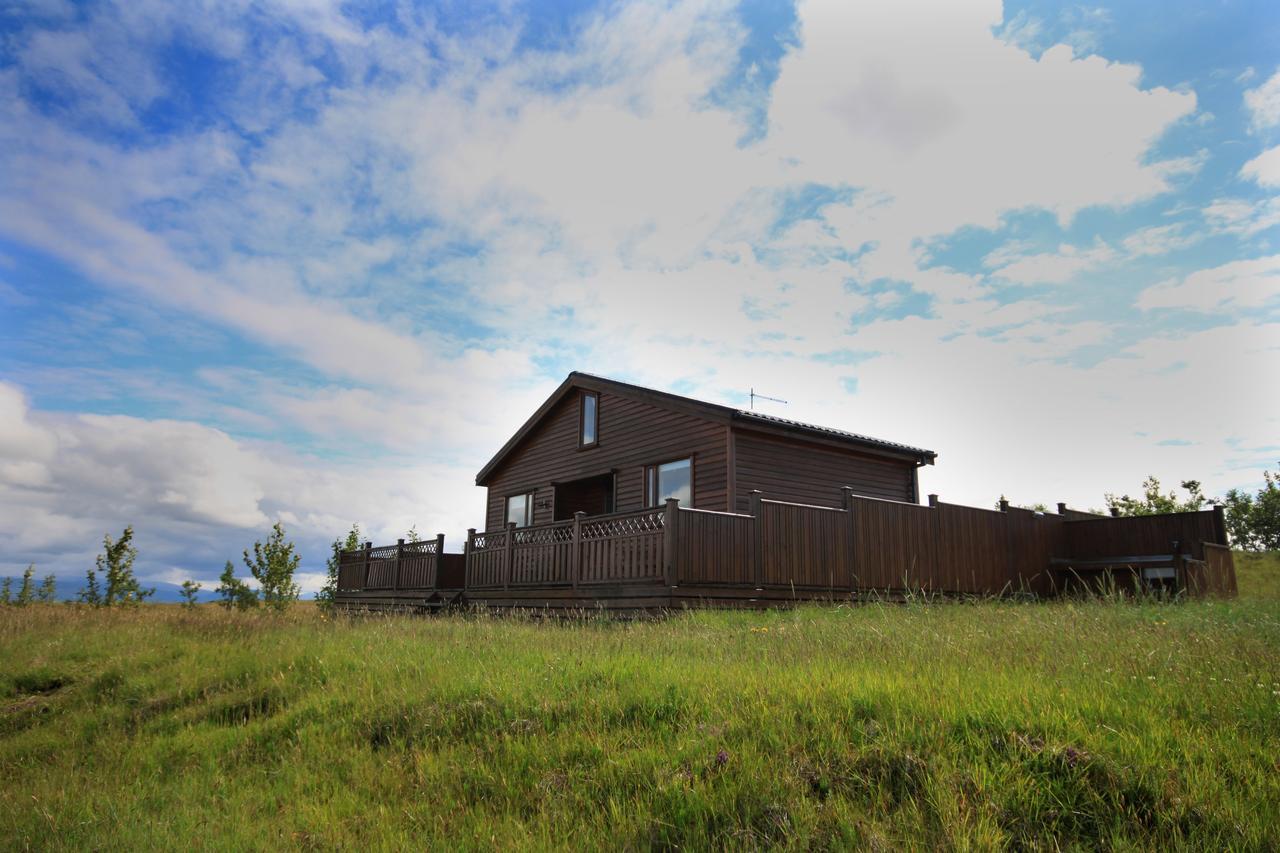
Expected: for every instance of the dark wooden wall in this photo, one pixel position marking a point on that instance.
(632, 434)
(809, 473)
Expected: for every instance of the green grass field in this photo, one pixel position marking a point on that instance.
(1069, 724)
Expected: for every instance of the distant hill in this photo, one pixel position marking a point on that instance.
(166, 593)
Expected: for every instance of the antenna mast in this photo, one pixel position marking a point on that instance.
(755, 396)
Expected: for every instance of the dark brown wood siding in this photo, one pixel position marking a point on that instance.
(632, 434)
(803, 472)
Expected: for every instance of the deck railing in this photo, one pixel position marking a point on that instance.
(618, 548)
(404, 565)
(789, 549)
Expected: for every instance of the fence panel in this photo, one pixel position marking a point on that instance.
(351, 570)
(485, 559)
(1143, 534)
(893, 544)
(715, 548)
(622, 548)
(543, 556)
(418, 565)
(805, 546)
(972, 550)
(1034, 540)
(1219, 574)
(382, 568)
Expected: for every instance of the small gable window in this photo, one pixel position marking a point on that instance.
(588, 418)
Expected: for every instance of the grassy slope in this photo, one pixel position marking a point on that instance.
(959, 724)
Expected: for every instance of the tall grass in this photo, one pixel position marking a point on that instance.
(923, 725)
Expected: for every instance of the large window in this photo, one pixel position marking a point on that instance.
(670, 480)
(587, 420)
(520, 509)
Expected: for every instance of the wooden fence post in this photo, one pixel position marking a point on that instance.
(851, 553)
(435, 566)
(1220, 522)
(669, 533)
(757, 510)
(467, 548)
(933, 501)
(395, 575)
(1004, 505)
(1115, 512)
(506, 561)
(368, 546)
(1179, 568)
(1062, 508)
(575, 556)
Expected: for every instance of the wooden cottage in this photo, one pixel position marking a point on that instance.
(617, 496)
(602, 446)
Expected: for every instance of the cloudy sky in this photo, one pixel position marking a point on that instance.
(287, 259)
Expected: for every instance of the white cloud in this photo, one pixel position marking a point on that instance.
(1265, 168)
(1230, 287)
(1048, 267)
(1240, 216)
(1263, 103)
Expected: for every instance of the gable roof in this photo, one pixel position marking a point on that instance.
(701, 408)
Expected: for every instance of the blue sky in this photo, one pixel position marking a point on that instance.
(316, 262)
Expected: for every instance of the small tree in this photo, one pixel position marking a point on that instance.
(329, 592)
(116, 565)
(1154, 502)
(27, 592)
(1254, 520)
(273, 565)
(5, 586)
(411, 535)
(190, 589)
(48, 589)
(235, 592)
(92, 592)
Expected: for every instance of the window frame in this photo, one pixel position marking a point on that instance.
(582, 420)
(529, 497)
(651, 480)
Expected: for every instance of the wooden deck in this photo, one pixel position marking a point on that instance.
(781, 553)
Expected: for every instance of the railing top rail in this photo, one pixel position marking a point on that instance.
(1208, 512)
(801, 506)
(858, 497)
(716, 512)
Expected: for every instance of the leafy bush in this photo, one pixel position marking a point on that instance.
(273, 565)
(235, 592)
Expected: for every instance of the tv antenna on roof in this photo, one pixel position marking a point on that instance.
(755, 396)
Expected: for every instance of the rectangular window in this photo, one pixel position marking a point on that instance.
(587, 420)
(670, 480)
(520, 509)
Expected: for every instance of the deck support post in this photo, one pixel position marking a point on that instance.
(669, 532)
(395, 576)
(757, 510)
(506, 558)
(364, 583)
(435, 566)
(575, 556)
(467, 548)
